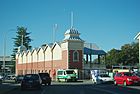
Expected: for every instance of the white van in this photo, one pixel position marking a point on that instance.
(66, 75)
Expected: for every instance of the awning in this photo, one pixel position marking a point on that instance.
(93, 51)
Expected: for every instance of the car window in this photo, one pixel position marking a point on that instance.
(104, 75)
(32, 76)
(60, 72)
(128, 74)
(137, 74)
(44, 74)
(70, 72)
(118, 74)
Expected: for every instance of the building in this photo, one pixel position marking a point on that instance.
(67, 54)
(8, 65)
(137, 37)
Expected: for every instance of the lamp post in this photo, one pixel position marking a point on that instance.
(52, 65)
(4, 50)
(137, 37)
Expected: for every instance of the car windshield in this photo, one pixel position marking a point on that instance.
(59, 72)
(138, 74)
(128, 74)
(20, 77)
(44, 74)
(104, 75)
(31, 76)
(70, 72)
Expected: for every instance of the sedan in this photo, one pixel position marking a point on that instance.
(138, 75)
(105, 78)
(19, 78)
(45, 77)
(126, 78)
(31, 81)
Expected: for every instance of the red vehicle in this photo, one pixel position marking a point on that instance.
(138, 75)
(126, 78)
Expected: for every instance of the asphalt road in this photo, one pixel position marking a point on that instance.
(85, 87)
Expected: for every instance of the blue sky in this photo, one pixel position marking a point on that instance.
(108, 23)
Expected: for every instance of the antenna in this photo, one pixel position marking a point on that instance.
(71, 19)
(22, 41)
(55, 26)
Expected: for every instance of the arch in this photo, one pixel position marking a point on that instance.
(75, 56)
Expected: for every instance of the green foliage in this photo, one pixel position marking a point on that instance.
(128, 55)
(21, 32)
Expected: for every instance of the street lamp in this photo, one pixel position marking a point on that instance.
(4, 50)
(137, 37)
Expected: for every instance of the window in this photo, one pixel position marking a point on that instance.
(118, 74)
(75, 56)
(60, 73)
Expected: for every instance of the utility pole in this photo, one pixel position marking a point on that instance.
(54, 31)
(55, 26)
(4, 51)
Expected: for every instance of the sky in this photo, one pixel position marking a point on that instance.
(107, 23)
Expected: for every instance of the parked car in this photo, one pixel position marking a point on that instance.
(138, 75)
(1, 78)
(126, 78)
(19, 78)
(10, 77)
(66, 75)
(31, 81)
(105, 78)
(45, 77)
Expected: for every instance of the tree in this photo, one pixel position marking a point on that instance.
(113, 57)
(128, 55)
(22, 34)
(22, 38)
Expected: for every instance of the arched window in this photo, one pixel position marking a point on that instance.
(75, 56)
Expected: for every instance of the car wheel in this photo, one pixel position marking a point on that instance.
(115, 83)
(93, 81)
(49, 83)
(75, 80)
(22, 88)
(45, 84)
(124, 83)
(66, 80)
(39, 87)
(0, 81)
(58, 80)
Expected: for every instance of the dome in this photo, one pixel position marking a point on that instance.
(72, 34)
(72, 31)
(21, 48)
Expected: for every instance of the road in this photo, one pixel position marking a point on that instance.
(85, 87)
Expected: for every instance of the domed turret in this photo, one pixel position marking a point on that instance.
(72, 34)
(21, 49)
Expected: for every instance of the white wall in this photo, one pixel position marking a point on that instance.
(34, 55)
(24, 57)
(48, 54)
(64, 46)
(57, 53)
(75, 45)
(40, 55)
(20, 59)
(29, 57)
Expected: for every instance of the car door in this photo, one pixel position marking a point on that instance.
(119, 78)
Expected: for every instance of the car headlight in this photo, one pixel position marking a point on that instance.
(69, 77)
(129, 79)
